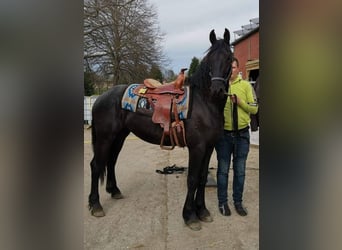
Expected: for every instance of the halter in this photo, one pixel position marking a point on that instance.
(214, 78)
(219, 78)
(224, 80)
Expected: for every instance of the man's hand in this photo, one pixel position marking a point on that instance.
(235, 99)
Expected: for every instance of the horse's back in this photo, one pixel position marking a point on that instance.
(106, 112)
(110, 98)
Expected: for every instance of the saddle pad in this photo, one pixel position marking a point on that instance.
(131, 101)
(183, 104)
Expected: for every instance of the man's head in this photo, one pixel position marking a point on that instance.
(235, 69)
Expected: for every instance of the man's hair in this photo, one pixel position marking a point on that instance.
(236, 60)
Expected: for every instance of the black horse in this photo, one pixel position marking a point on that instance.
(111, 125)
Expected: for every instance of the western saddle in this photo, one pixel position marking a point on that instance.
(163, 99)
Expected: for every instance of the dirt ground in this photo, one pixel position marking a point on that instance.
(150, 215)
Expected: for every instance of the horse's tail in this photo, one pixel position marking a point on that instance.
(93, 141)
(93, 134)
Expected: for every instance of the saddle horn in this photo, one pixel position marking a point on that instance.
(180, 79)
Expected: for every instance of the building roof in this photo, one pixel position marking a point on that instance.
(246, 30)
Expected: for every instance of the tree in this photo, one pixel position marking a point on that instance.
(156, 73)
(169, 75)
(122, 39)
(88, 84)
(193, 66)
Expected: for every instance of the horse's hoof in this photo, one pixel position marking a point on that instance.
(194, 225)
(117, 196)
(97, 211)
(207, 218)
(204, 215)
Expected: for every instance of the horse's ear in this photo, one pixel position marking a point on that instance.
(226, 35)
(212, 37)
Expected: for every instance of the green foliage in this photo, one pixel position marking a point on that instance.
(156, 73)
(170, 76)
(193, 66)
(88, 84)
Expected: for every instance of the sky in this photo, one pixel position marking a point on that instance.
(187, 25)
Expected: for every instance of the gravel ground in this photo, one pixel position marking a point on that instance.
(150, 215)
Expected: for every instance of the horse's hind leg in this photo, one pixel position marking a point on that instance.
(97, 166)
(111, 185)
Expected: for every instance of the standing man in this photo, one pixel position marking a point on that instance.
(234, 142)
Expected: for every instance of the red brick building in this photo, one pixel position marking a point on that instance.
(246, 50)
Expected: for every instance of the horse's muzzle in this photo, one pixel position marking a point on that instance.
(218, 88)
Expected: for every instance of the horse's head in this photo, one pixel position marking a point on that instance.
(219, 60)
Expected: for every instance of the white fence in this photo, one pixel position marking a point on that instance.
(88, 104)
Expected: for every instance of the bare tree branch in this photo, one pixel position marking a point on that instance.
(122, 39)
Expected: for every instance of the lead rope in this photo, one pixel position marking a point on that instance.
(235, 124)
(235, 117)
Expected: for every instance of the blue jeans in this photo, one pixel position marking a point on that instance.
(237, 146)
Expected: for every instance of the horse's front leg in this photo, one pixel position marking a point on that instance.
(111, 185)
(201, 210)
(189, 210)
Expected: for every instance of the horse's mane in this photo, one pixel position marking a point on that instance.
(200, 79)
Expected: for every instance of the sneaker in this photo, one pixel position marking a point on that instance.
(240, 209)
(224, 210)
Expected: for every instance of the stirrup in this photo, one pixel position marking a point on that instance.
(167, 147)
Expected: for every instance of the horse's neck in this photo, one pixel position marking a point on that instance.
(214, 104)
(200, 82)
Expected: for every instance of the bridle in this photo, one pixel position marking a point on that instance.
(218, 78)
(224, 80)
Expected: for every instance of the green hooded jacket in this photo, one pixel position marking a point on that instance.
(244, 91)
